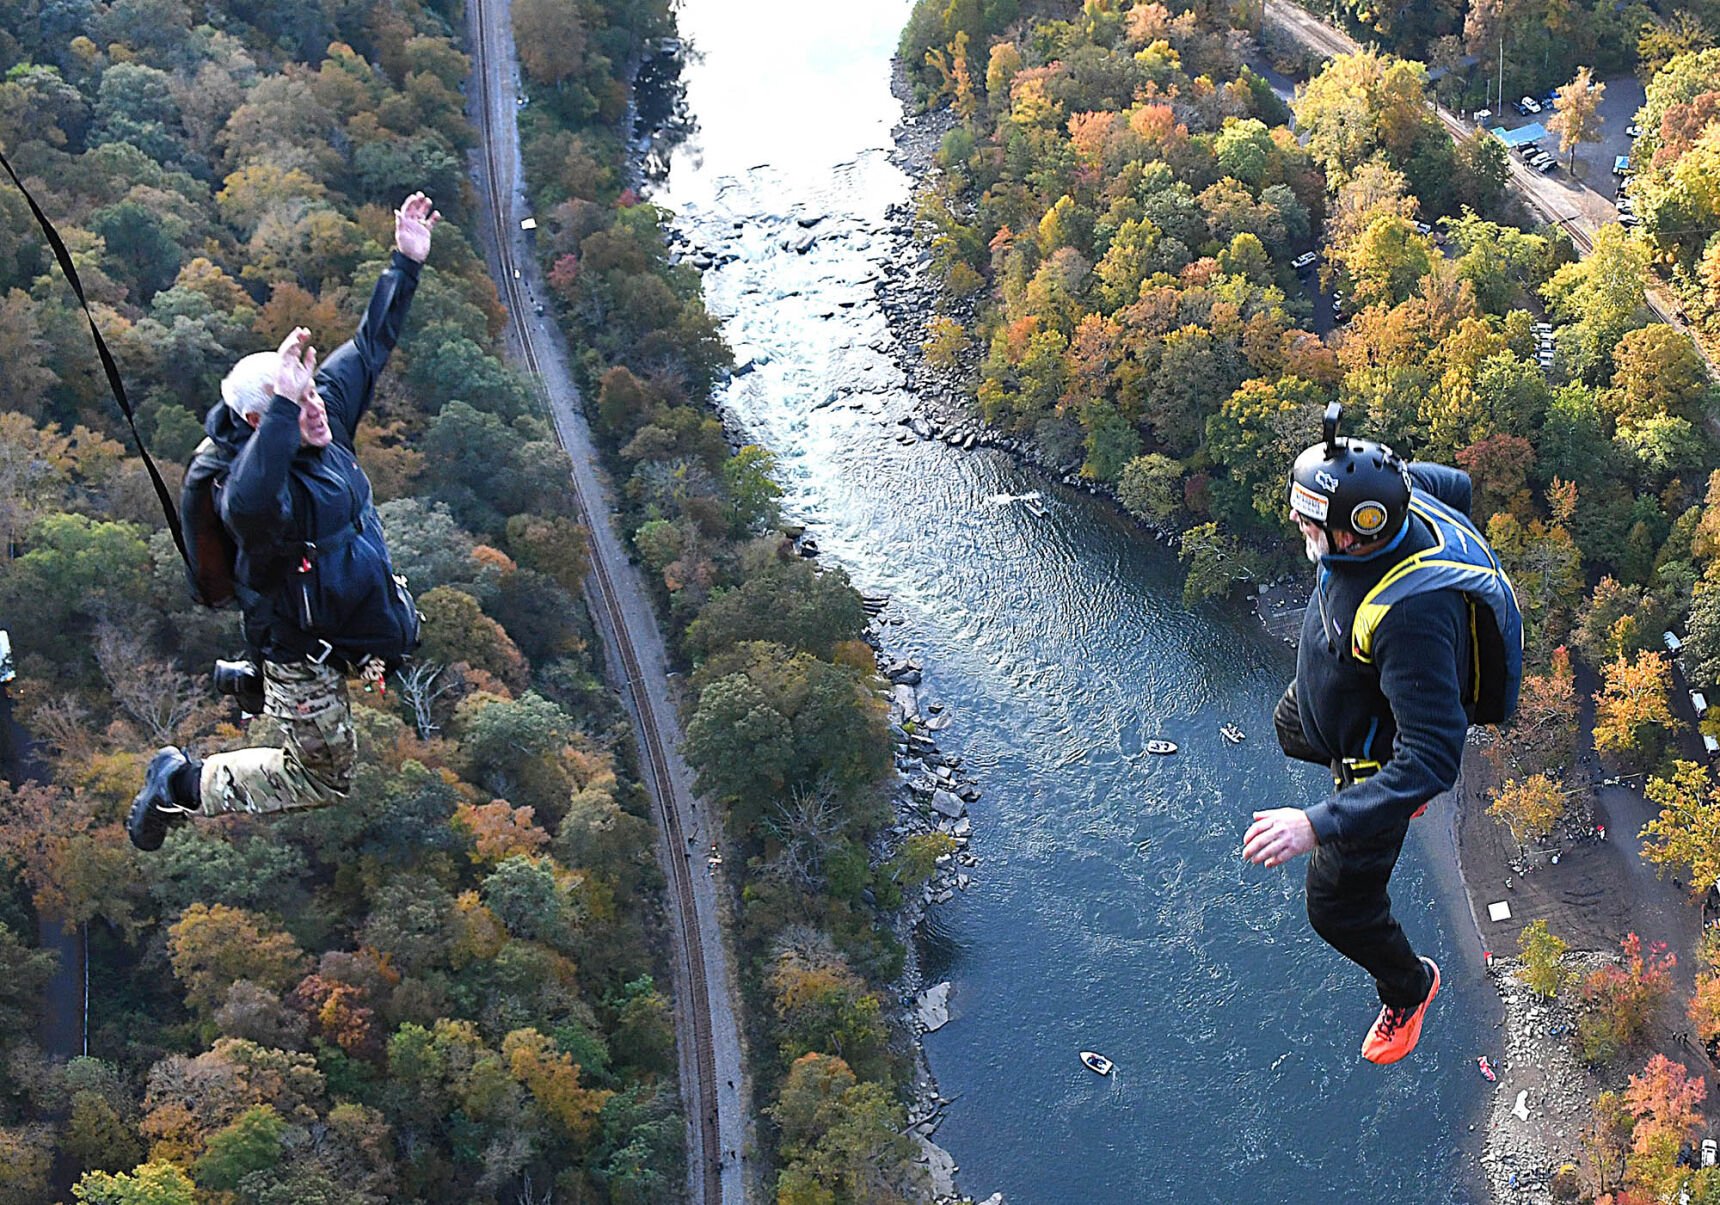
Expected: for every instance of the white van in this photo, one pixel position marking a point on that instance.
(1710, 744)
(7, 670)
(1699, 701)
(1672, 643)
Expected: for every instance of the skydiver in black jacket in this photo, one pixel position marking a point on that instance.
(1392, 731)
(315, 581)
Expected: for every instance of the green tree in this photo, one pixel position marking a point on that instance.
(1601, 298)
(752, 491)
(1151, 487)
(789, 602)
(1216, 562)
(1542, 952)
(250, 1143)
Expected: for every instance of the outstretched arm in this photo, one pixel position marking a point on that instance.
(349, 374)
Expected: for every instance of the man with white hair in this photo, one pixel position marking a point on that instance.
(312, 570)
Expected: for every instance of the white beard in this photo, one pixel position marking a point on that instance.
(1315, 546)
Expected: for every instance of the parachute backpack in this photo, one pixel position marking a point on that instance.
(210, 552)
(1459, 560)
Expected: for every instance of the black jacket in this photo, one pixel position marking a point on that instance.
(312, 565)
(1407, 709)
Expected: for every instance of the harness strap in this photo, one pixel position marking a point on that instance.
(108, 366)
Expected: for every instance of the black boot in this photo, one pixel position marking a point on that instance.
(159, 806)
(244, 681)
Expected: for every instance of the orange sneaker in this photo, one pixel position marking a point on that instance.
(1396, 1030)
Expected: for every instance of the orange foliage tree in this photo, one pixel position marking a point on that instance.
(1617, 1001)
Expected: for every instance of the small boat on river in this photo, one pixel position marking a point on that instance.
(1486, 1068)
(1161, 747)
(1096, 1062)
(1034, 506)
(1231, 733)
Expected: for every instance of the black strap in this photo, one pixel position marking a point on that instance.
(108, 365)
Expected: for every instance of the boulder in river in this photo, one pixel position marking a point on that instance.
(946, 804)
(933, 1006)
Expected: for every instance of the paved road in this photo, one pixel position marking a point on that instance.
(708, 1043)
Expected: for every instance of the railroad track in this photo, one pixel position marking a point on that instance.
(494, 58)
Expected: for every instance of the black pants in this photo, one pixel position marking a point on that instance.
(1349, 908)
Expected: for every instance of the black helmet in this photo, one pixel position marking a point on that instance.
(1353, 485)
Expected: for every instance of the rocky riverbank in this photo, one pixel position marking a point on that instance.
(1543, 1097)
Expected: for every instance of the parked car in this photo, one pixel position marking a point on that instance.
(1672, 642)
(1305, 260)
(1621, 165)
(1699, 702)
(1537, 158)
(1550, 99)
(1527, 149)
(1528, 105)
(7, 671)
(1629, 221)
(1422, 228)
(1548, 165)
(1633, 131)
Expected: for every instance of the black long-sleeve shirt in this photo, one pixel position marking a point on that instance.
(1407, 709)
(281, 498)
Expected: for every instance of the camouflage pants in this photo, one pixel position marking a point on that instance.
(309, 702)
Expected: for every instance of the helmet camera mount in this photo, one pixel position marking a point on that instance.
(1329, 427)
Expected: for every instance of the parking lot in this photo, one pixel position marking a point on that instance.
(1590, 187)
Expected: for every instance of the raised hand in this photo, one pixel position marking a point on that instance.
(413, 223)
(298, 367)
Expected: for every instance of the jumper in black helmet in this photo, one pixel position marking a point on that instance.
(1353, 485)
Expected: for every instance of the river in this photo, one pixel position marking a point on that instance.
(1111, 910)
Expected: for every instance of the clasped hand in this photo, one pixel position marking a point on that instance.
(1277, 835)
(298, 369)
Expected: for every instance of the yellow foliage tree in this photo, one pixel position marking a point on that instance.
(553, 1080)
(213, 946)
(1633, 703)
(1686, 834)
(1529, 808)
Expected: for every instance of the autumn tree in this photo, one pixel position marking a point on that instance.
(1540, 735)
(1617, 1000)
(212, 947)
(1531, 808)
(1666, 1100)
(1633, 709)
(1685, 838)
(1576, 113)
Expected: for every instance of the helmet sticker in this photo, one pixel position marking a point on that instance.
(1326, 481)
(1368, 517)
(1306, 502)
